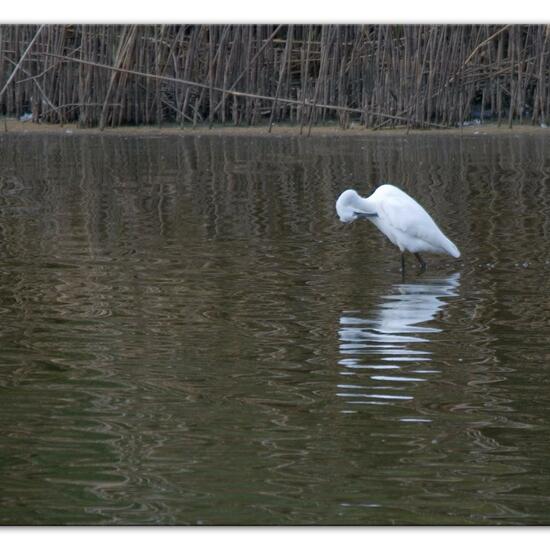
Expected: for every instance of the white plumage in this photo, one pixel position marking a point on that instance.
(406, 224)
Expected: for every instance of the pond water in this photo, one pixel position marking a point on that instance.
(188, 335)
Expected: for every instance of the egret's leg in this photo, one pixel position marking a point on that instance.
(403, 264)
(422, 262)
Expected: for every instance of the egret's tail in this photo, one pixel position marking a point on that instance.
(452, 249)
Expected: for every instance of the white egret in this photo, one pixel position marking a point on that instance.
(406, 224)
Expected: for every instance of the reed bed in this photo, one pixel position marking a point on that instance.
(377, 76)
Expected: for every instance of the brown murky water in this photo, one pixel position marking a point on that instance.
(188, 335)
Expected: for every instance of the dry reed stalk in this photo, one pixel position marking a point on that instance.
(282, 70)
(512, 86)
(305, 79)
(123, 48)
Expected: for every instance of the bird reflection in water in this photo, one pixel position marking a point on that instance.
(386, 354)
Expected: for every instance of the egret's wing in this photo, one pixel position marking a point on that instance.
(404, 213)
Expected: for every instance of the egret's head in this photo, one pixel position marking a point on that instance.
(346, 206)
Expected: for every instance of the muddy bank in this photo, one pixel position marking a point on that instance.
(16, 126)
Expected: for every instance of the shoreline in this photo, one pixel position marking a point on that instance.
(14, 126)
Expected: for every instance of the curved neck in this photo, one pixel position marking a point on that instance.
(363, 205)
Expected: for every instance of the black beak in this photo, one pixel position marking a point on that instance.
(364, 215)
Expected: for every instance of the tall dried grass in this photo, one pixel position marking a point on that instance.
(373, 75)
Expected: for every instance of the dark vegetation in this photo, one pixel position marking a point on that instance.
(373, 75)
